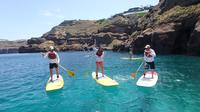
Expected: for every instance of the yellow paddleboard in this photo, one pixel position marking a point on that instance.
(105, 81)
(56, 84)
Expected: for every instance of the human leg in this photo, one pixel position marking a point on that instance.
(97, 68)
(102, 68)
(51, 74)
(152, 67)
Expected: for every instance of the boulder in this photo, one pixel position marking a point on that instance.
(162, 38)
(35, 41)
(115, 43)
(103, 38)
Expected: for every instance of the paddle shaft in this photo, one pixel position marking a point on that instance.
(139, 67)
(61, 67)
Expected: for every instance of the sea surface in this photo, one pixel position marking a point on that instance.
(23, 78)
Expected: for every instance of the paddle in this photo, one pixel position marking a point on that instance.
(134, 74)
(71, 73)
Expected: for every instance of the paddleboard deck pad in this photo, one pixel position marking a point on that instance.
(57, 83)
(105, 81)
(148, 81)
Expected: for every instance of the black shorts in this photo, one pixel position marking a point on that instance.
(53, 65)
(149, 65)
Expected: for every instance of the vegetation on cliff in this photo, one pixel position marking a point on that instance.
(178, 12)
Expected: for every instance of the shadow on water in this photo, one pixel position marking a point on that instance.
(145, 100)
(111, 90)
(54, 94)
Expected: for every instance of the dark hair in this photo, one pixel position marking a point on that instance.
(99, 52)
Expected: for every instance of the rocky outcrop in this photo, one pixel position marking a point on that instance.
(84, 34)
(8, 50)
(170, 28)
(162, 38)
(194, 41)
(7, 46)
(36, 40)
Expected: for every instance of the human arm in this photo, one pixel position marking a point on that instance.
(152, 54)
(44, 54)
(58, 58)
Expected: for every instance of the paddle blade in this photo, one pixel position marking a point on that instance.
(133, 75)
(71, 73)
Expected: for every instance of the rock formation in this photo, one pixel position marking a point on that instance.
(7, 46)
(171, 27)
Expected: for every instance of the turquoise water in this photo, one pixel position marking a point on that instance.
(23, 78)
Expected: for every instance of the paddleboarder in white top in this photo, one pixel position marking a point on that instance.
(54, 60)
(149, 55)
(99, 60)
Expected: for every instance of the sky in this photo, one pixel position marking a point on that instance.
(23, 19)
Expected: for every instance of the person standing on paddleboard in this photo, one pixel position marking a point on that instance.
(54, 60)
(149, 55)
(99, 61)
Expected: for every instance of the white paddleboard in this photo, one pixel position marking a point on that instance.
(127, 58)
(148, 81)
(105, 81)
(57, 83)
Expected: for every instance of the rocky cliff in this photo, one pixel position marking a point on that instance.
(81, 34)
(7, 46)
(171, 27)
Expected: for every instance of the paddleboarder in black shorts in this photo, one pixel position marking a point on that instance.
(149, 55)
(54, 59)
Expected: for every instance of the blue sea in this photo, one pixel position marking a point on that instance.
(23, 78)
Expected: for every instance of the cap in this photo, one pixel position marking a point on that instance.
(147, 46)
(51, 48)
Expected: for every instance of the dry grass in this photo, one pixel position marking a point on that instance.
(179, 11)
(81, 27)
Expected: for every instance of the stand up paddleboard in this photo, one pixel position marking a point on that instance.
(105, 81)
(57, 83)
(148, 81)
(126, 58)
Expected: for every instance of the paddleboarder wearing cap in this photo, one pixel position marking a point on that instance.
(149, 55)
(54, 60)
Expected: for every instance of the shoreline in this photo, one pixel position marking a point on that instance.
(160, 54)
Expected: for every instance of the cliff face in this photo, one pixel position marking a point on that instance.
(80, 34)
(171, 27)
(11, 46)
